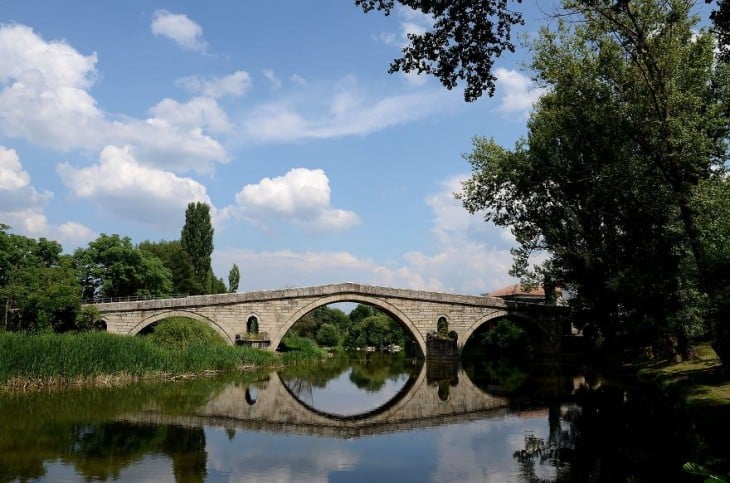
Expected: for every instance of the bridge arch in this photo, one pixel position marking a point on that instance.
(181, 313)
(350, 297)
(530, 324)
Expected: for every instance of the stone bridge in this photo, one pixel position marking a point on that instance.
(420, 404)
(268, 315)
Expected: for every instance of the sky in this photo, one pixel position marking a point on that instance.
(318, 165)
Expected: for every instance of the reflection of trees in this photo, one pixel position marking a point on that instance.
(368, 371)
(74, 426)
(608, 434)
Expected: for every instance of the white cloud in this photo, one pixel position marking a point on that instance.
(235, 85)
(126, 189)
(274, 81)
(22, 206)
(344, 111)
(180, 29)
(471, 257)
(44, 99)
(516, 91)
(198, 112)
(301, 196)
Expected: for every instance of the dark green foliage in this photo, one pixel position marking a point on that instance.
(177, 261)
(605, 181)
(38, 286)
(376, 331)
(234, 277)
(196, 238)
(179, 332)
(328, 336)
(506, 340)
(465, 40)
(112, 267)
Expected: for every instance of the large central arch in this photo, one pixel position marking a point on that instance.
(349, 297)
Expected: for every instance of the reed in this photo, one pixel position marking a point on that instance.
(65, 358)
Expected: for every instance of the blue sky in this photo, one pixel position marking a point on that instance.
(319, 165)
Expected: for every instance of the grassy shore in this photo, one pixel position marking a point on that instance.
(702, 387)
(87, 358)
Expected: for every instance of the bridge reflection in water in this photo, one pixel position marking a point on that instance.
(270, 405)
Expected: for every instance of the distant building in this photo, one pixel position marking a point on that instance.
(515, 292)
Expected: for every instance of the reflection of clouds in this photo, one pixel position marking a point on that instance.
(482, 451)
(341, 396)
(275, 458)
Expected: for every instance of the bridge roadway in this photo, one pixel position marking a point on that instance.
(275, 311)
(276, 409)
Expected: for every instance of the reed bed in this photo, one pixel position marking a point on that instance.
(65, 358)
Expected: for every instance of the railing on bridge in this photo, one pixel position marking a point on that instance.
(133, 298)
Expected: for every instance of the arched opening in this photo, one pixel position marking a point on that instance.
(252, 325)
(499, 352)
(148, 325)
(176, 332)
(100, 326)
(352, 326)
(252, 394)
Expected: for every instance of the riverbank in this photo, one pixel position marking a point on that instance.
(57, 360)
(700, 387)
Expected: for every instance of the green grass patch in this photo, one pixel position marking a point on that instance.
(701, 382)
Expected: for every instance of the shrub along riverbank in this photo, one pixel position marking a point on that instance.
(98, 357)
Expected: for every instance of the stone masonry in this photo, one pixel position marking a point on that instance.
(277, 310)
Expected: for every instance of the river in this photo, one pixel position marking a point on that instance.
(368, 417)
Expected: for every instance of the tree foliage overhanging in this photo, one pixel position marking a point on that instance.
(629, 138)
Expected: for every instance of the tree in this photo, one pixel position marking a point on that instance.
(177, 261)
(633, 119)
(466, 38)
(234, 276)
(328, 336)
(196, 239)
(112, 267)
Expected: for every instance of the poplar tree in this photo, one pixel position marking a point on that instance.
(196, 239)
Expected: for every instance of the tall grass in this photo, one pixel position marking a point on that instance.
(88, 355)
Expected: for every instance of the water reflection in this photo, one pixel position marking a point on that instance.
(440, 426)
(353, 384)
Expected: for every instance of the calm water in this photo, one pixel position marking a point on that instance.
(370, 418)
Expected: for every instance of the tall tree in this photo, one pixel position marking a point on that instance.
(196, 239)
(633, 119)
(234, 277)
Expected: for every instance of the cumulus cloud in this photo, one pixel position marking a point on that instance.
(198, 112)
(126, 189)
(301, 196)
(180, 29)
(470, 257)
(22, 206)
(345, 112)
(16, 193)
(235, 85)
(297, 79)
(516, 91)
(44, 99)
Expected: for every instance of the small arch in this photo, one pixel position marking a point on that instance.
(349, 297)
(252, 325)
(180, 313)
(252, 395)
(442, 325)
(101, 325)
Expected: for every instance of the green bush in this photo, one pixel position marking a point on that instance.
(179, 332)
